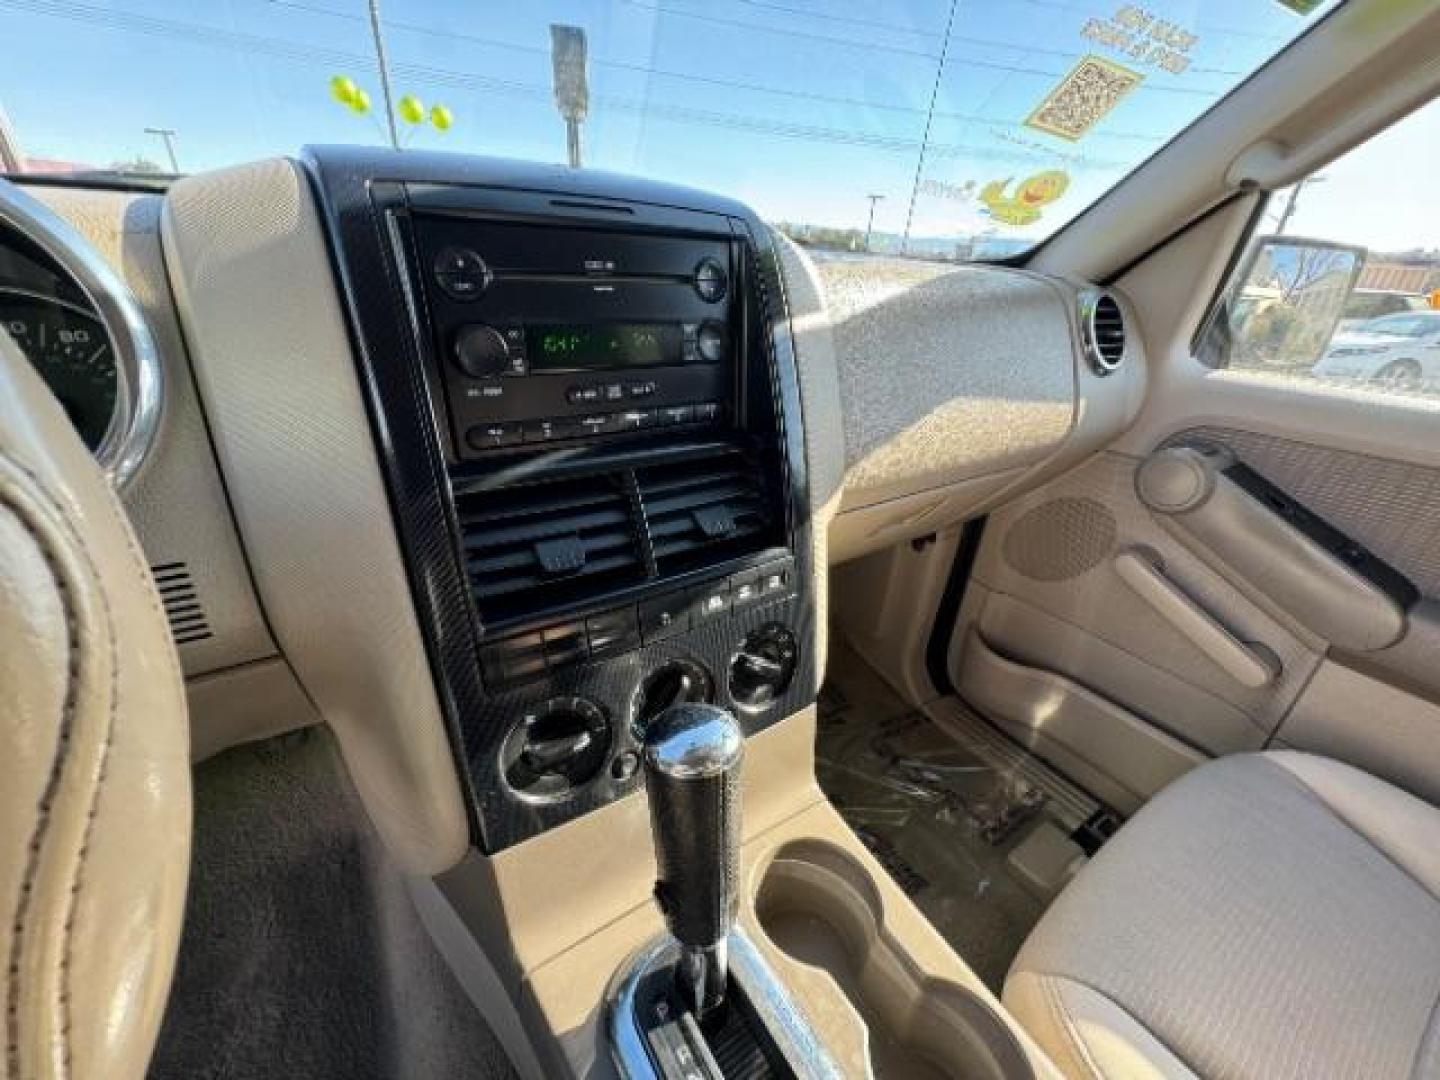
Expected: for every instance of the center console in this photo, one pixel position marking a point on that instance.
(589, 420)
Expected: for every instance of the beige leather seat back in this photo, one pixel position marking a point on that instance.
(94, 759)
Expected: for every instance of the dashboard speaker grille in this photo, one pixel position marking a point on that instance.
(181, 599)
(529, 546)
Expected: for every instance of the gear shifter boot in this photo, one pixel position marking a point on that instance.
(693, 755)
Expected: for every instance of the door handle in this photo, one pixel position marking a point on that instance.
(1246, 665)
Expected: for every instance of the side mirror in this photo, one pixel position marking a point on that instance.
(1280, 311)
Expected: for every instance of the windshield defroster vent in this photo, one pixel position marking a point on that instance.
(1102, 327)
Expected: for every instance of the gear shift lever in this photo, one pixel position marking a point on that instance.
(692, 778)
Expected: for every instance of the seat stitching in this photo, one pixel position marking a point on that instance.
(52, 782)
(106, 744)
(1310, 792)
(1057, 1009)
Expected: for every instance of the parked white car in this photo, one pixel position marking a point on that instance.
(1398, 352)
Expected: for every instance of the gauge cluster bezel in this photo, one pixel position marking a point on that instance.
(139, 398)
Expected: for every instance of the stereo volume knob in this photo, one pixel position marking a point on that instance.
(481, 351)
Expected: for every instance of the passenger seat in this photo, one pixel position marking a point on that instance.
(1268, 915)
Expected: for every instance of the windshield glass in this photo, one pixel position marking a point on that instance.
(959, 129)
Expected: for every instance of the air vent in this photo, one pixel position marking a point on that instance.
(533, 546)
(1103, 328)
(182, 603)
(700, 512)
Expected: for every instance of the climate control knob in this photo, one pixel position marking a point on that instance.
(481, 351)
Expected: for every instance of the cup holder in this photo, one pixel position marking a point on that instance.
(820, 907)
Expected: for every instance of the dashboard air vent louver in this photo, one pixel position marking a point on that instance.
(531, 546)
(704, 510)
(1104, 331)
(181, 599)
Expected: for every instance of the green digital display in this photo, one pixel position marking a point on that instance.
(598, 347)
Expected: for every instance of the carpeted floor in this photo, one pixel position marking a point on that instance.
(941, 809)
(302, 954)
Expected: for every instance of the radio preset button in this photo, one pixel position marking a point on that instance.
(614, 391)
(710, 281)
(641, 389)
(676, 414)
(635, 419)
(707, 411)
(580, 395)
(537, 431)
(499, 433)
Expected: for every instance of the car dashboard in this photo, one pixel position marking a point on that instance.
(486, 463)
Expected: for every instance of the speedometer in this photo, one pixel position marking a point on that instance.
(73, 354)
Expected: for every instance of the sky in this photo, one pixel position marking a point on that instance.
(802, 108)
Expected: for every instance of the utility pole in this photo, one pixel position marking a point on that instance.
(167, 135)
(384, 67)
(870, 223)
(568, 59)
(1294, 199)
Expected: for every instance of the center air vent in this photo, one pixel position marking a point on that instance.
(535, 547)
(532, 546)
(1103, 328)
(699, 512)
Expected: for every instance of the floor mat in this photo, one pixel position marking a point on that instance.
(941, 808)
(302, 954)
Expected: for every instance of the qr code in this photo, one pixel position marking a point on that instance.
(1083, 97)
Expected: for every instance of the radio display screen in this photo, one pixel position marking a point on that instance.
(597, 347)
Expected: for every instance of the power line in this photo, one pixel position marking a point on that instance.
(929, 119)
(707, 80)
(193, 33)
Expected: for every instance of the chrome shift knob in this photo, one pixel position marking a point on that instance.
(693, 755)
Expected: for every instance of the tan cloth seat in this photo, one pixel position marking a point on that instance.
(1268, 915)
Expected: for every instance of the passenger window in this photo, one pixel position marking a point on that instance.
(1340, 285)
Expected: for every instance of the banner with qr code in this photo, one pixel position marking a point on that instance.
(1083, 98)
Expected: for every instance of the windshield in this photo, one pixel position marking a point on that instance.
(960, 129)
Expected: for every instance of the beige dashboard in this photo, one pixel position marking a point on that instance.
(929, 393)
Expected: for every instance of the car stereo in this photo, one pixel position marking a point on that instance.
(554, 332)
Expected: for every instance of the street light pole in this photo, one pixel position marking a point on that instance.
(870, 223)
(167, 135)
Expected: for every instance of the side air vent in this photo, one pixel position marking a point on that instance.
(701, 512)
(532, 546)
(182, 603)
(1102, 325)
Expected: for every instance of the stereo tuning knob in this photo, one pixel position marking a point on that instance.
(481, 351)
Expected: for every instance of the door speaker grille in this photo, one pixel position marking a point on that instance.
(1060, 539)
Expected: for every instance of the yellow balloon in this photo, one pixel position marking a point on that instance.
(360, 102)
(343, 89)
(441, 117)
(412, 109)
